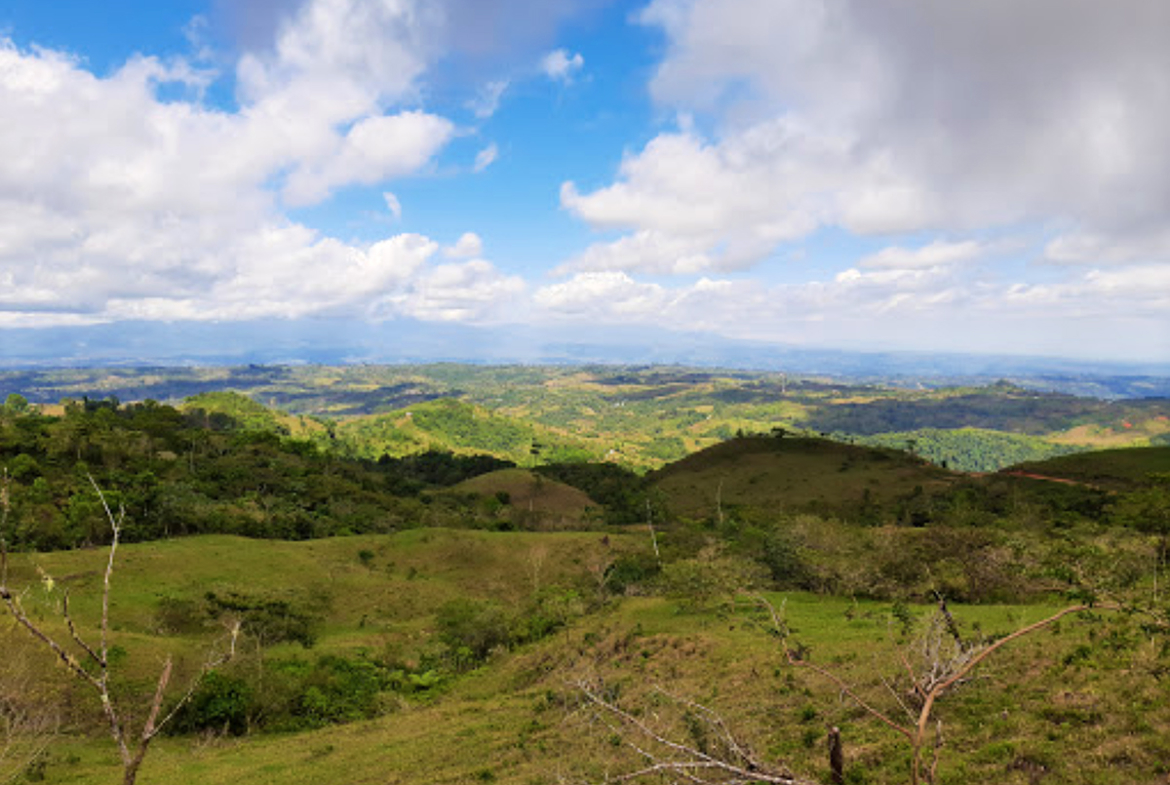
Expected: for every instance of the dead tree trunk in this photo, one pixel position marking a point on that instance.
(836, 757)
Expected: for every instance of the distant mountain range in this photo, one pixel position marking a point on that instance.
(401, 341)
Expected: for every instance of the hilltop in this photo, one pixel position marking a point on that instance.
(794, 474)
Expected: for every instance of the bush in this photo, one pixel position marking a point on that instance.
(631, 571)
(177, 616)
(473, 626)
(272, 621)
(221, 704)
(702, 581)
(341, 690)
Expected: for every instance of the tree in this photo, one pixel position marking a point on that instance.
(16, 403)
(91, 664)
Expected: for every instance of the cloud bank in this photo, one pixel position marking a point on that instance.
(122, 205)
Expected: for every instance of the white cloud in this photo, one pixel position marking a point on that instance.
(933, 308)
(374, 149)
(393, 205)
(195, 31)
(732, 202)
(561, 66)
(487, 100)
(892, 119)
(486, 157)
(603, 295)
(1091, 248)
(472, 291)
(647, 251)
(467, 246)
(127, 206)
(351, 55)
(937, 254)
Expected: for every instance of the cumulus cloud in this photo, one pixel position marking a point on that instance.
(467, 246)
(603, 295)
(934, 308)
(472, 291)
(887, 118)
(936, 254)
(373, 150)
(349, 55)
(561, 66)
(649, 251)
(731, 202)
(123, 205)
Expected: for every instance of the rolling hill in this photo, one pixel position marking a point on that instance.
(794, 474)
(536, 502)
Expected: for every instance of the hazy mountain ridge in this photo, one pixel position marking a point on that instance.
(332, 342)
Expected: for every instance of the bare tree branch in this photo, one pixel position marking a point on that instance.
(131, 758)
(684, 761)
(73, 629)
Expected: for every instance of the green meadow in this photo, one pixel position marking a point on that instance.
(1083, 701)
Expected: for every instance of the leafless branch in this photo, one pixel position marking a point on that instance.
(116, 526)
(131, 757)
(676, 760)
(948, 660)
(73, 629)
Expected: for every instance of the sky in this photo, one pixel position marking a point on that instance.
(989, 177)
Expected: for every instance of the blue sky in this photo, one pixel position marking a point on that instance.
(864, 174)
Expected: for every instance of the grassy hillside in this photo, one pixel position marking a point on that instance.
(1080, 702)
(792, 474)
(646, 417)
(392, 648)
(458, 427)
(533, 501)
(1110, 469)
(247, 414)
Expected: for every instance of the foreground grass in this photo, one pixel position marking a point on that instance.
(1082, 702)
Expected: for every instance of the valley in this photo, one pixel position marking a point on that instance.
(513, 574)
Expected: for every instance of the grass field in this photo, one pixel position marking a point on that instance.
(1111, 469)
(536, 502)
(792, 474)
(1082, 702)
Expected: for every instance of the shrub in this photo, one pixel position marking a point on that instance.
(702, 581)
(630, 571)
(177, 616)
(272, 621)
(221, 704)
(472, 625)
